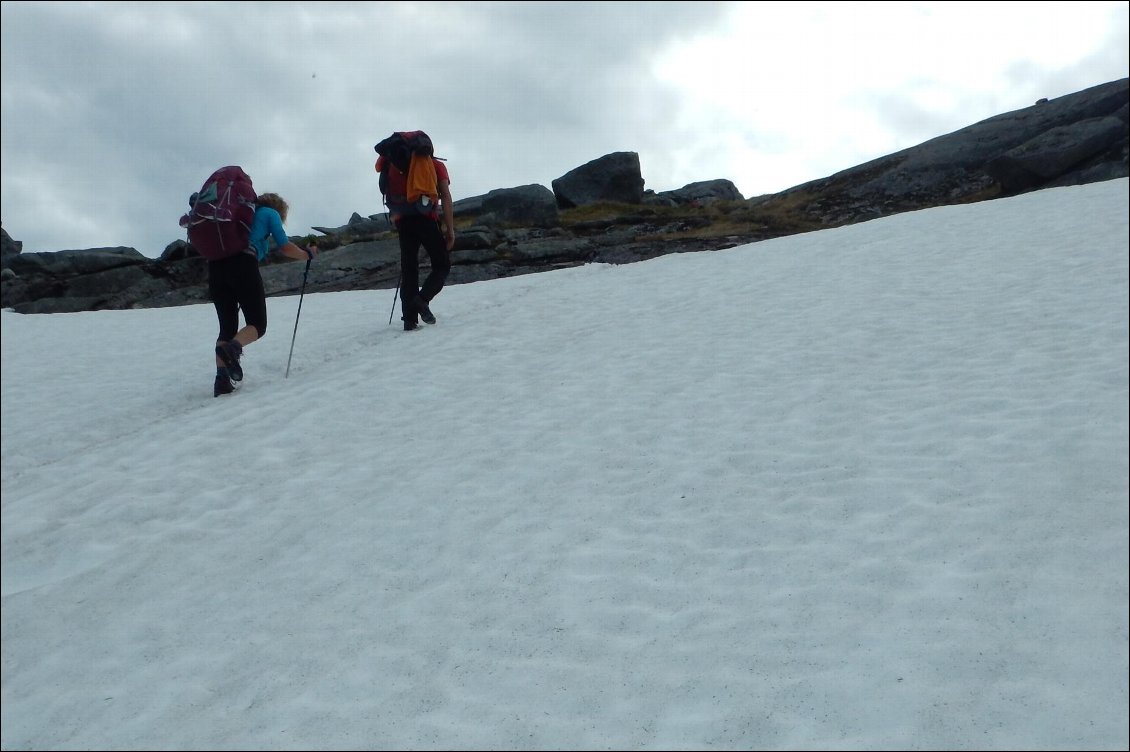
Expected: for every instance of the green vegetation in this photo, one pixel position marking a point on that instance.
(783, 215)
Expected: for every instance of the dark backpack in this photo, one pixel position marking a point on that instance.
(397, 151)
(219, 222)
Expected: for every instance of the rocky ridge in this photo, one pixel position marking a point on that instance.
(600, 212)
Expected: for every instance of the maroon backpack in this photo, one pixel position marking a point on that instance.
(219, 222)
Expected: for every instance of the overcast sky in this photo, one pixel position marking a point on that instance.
(113, 113)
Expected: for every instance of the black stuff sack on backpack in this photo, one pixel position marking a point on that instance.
(400, 146)
(397, 151)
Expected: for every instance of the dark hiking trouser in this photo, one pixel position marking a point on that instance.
(416, 231)
(235, 284)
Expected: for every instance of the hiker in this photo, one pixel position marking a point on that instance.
(235, 284)
(417, 197)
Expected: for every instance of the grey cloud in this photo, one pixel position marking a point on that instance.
(131, 104)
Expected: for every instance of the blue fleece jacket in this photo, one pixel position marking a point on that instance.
(267, 224)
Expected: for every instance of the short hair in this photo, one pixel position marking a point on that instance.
(274, 201)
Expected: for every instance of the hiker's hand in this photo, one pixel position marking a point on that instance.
(449, 237)
(311, 251)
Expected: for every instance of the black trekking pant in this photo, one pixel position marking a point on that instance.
(416, 231)
(235, 284)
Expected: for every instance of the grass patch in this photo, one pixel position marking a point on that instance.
(786, 215)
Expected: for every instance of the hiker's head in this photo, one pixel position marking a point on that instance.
(276, 202)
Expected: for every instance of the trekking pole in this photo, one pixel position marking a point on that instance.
(394, 300)
(300, 296)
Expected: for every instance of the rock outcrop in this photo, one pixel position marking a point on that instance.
(612, 178)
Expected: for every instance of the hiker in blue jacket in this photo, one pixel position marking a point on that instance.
(235, 284)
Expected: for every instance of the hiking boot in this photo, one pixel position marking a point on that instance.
(229, 353)
(422, 309)
(223, 385)
(410, 327)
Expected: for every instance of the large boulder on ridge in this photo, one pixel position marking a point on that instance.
(526, 206)
(701, 193)
(614, 178)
